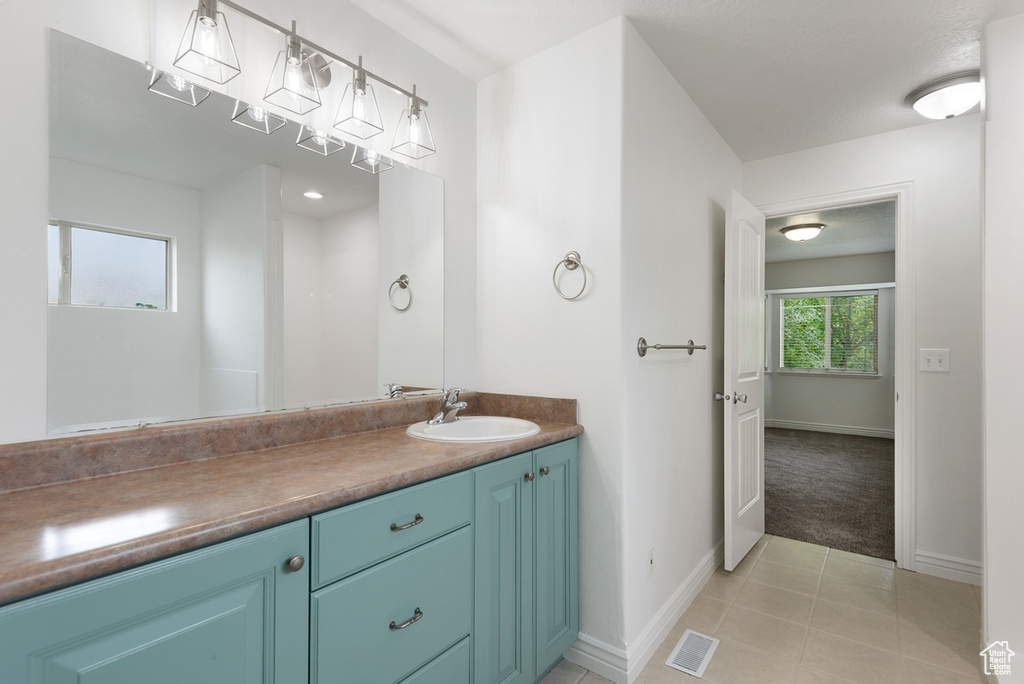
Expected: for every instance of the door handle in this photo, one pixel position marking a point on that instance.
(720, 397)
(739, 397)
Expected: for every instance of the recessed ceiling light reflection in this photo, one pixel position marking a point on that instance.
(313, 194)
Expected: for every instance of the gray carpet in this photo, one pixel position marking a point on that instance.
(834, 490)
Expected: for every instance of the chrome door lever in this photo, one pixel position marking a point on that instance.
(719, 396)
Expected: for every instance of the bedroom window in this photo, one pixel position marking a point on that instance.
(831, 333)
(90, 266)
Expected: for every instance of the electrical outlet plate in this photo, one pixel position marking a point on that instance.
(933, 360)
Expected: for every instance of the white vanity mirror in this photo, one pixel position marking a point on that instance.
(271, 300)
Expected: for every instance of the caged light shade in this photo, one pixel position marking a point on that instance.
(370, 161)
(289, 87)
(358, 114)
(317, 141)
(177, 88)
(256, 118)
(206, 48)
(413, 138)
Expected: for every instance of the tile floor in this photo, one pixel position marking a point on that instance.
(804, 614)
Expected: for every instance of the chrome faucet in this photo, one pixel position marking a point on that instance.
(450, 407)
(395, 391)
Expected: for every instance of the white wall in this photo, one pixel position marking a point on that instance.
(350, 325)
(1003, 71)
(303, 302)
(240, 219)
(121, 366)
(638, 189)
(941, 160)
(411, 342)
(549, 149)
(129, 28)
(855, 404)
(677, 177)
(330, 308)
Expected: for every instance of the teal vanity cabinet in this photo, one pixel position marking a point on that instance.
(526, 592)
(392, 581)
(233, 613)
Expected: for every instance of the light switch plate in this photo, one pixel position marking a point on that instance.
(933, 360)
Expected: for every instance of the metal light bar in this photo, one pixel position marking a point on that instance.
(352, 65)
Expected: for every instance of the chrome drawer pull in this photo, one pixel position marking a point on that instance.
(416, 615)
(415, 521)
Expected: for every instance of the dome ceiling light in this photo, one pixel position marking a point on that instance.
(803, 231)
(948, 96)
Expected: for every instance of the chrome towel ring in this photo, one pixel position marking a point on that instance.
(571, 263)
(402, 282)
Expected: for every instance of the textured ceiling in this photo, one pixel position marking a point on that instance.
(772, 77)
(861, 229)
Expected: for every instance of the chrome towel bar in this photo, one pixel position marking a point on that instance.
(642, 346)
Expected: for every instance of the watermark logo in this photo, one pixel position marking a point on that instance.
(997, 658)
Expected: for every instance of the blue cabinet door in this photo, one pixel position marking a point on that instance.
(503, 532)
(556, 533)
(228, 614)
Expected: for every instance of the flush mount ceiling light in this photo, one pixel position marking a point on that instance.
(358, 114)
(413, 138)
(947, 97)
(206, 48)
(176, 88)
(803, 231)
(370, 161)
(256, 118)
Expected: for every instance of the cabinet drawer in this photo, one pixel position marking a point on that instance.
(353, 538)
(352, 636)
(451, 667)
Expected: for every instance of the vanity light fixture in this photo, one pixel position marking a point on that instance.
(358, 114)
(289, 87)
(413, 138)
(803, 231)
(300, 73)
(948, 96)
(206, 48)
(256, 118)
(317, 141)
(370, 161)
(176, 88)
(313, 195)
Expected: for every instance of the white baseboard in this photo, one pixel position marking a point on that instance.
(957, 569)
(835, 429)
(622, 667)
(599, 658)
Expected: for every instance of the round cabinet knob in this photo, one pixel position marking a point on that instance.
(545, 470)
(295, 563)
(529, 476)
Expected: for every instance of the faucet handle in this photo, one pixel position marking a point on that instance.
(452, 395)
(395, 391)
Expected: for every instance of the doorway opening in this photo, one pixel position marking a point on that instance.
(839, 336)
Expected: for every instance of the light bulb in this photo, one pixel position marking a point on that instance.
(320, 138)
(414, 129)
(371, 158)
(207, 43)
(177, 82)
(257, 114)
(293, 78)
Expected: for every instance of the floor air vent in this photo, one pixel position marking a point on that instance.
(693, 653)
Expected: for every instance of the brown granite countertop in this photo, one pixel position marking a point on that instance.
(65, 532)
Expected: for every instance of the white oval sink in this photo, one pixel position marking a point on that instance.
(474, 429)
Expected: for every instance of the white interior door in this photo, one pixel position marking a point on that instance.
(744, 378)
